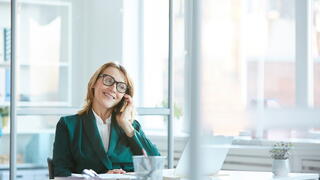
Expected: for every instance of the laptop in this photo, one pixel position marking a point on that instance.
(213, 153)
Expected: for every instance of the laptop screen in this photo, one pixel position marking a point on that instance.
(213, 153)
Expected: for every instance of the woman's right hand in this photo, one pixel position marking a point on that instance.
(116, 171)
(125, 118)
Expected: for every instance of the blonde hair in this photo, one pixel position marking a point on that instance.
(95, 77)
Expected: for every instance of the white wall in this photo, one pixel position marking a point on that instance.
(103, 32)
(97, 38)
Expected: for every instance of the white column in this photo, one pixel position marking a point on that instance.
(304, 66)
(13, 102)
(171, 92)
(195, 90)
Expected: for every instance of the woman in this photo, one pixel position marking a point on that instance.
(103, 136)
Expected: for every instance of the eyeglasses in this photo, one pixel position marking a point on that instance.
(109, 81)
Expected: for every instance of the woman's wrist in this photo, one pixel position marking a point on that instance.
(128, 129)
(130, 133)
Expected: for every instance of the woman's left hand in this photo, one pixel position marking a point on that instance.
(125, 118)
(116, 171)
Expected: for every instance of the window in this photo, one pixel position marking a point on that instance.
(248, 51)
(145, 53)
(316, 51)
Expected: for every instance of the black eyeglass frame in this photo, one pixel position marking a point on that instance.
(114, 81)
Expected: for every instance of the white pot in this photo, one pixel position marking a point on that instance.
(280, 167)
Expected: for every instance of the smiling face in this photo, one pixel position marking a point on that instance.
(106, 97)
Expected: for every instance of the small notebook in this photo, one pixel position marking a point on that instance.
(106, 176)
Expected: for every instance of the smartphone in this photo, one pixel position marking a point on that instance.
(121, 106)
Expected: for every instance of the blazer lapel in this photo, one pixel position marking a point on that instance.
(92, 132)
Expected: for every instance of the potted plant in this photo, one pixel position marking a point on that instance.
(280, 153)
(4, 116)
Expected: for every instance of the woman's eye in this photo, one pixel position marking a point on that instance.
(109, 81)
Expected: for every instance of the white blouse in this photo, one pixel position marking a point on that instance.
(104, 130)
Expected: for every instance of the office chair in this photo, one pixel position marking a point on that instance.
(50, 168)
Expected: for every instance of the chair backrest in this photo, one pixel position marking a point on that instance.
(50, 168)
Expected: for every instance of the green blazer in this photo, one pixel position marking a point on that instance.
(78, 146)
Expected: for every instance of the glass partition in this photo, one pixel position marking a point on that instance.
(316, 51)
(145, 54)
(62, 43)
(44, 53)
(5, 45)
(146, 42)
(35, 142)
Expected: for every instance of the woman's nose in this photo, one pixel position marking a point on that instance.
(114, 87)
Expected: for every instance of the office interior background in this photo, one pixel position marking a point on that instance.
(255, 85)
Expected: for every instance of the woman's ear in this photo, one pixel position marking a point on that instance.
(92, 90)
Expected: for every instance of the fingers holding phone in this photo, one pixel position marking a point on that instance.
(126, 115)
(128, 108)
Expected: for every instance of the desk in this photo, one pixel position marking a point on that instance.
(250, 175)
(246, 175)
(235, 175)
